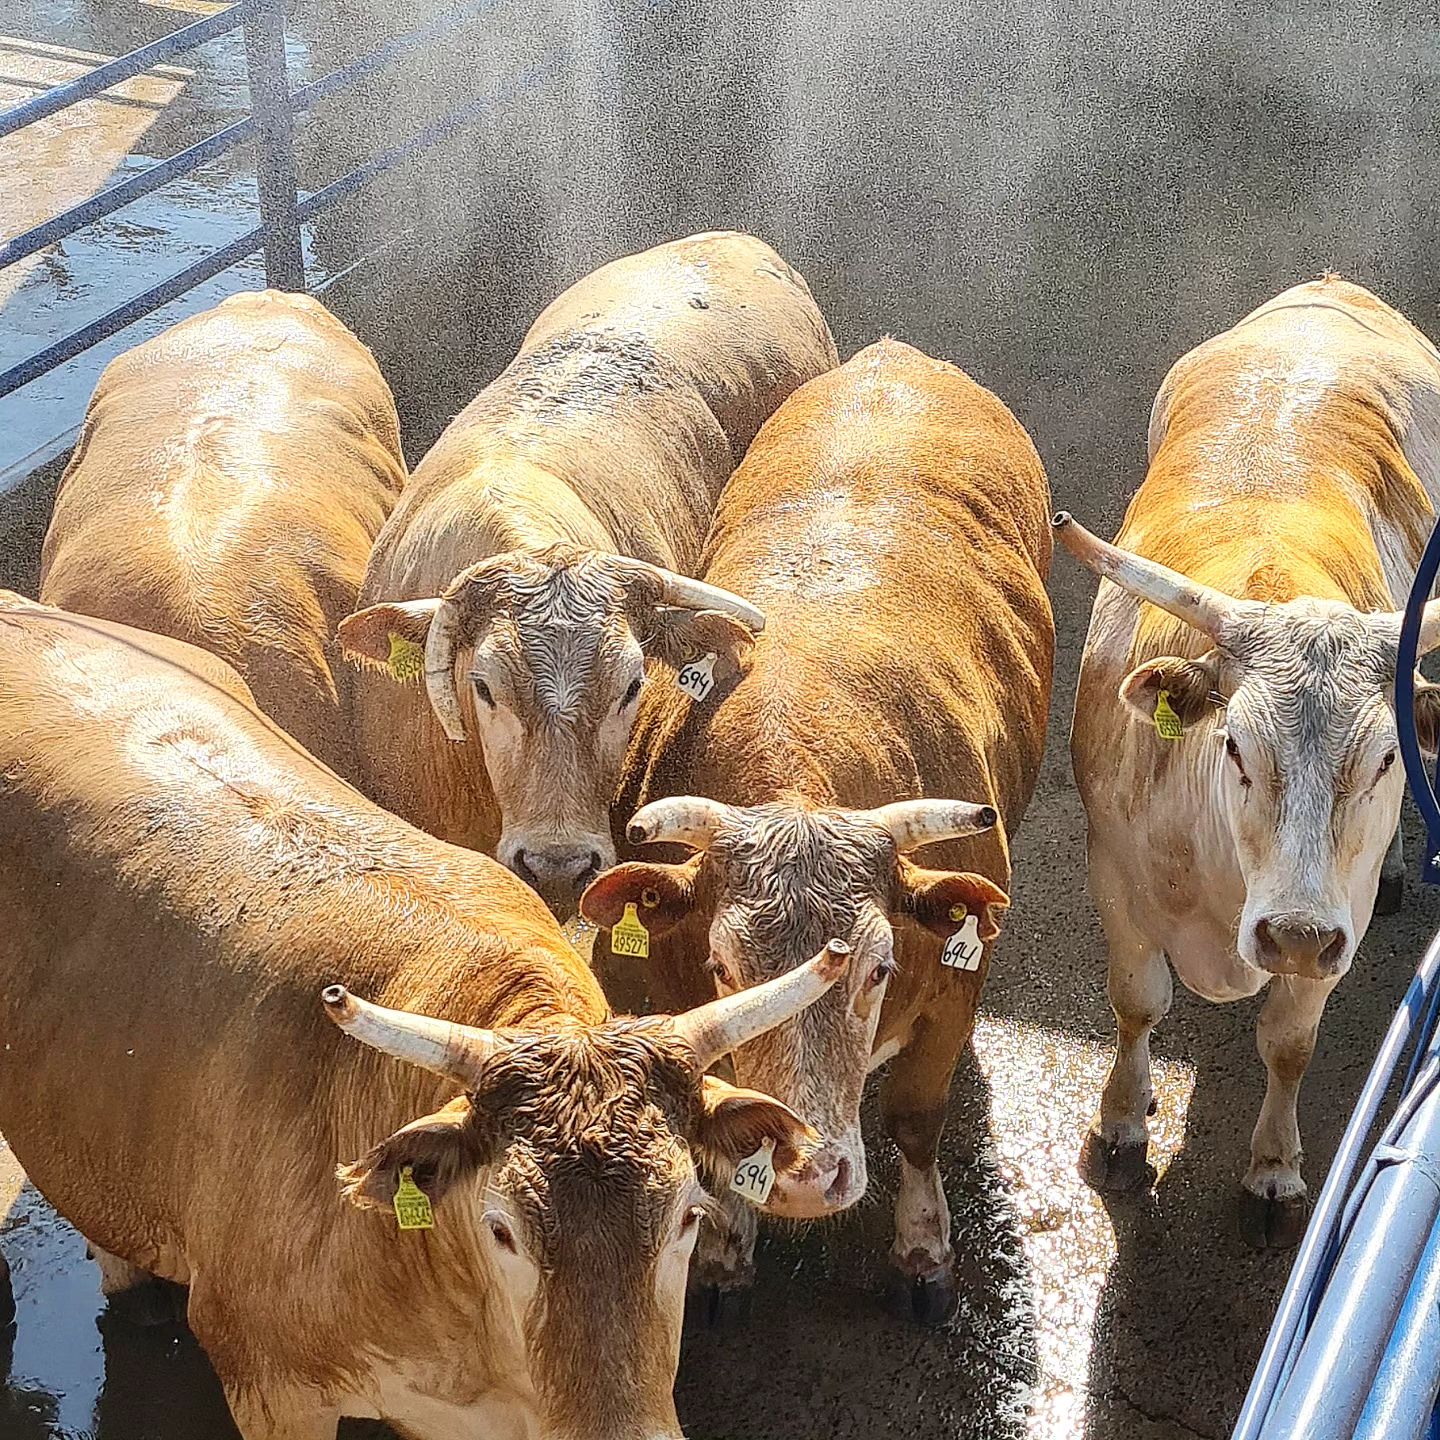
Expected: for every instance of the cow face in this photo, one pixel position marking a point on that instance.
(780, 878)
(1305, 766)
(537, 660)
(567, 1183)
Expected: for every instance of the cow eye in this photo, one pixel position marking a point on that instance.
(881, 973)
(1233, 751)
(504, 1237)
(628, 699)
(482, 692)
(1388, 761)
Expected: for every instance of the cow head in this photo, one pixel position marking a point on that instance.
(779, 876)
(566, 1182)
(1305, 767)
(548, 650)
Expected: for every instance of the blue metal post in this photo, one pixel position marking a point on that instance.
(274, 118)
(1337, 1365)
(1403, 1400)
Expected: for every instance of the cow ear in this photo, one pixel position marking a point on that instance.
(1427, 716)
(388, 634)
(438, 1150)
(682, 636)
(941, 900)
(661, 894)
(1189, 687)
(735, 1123)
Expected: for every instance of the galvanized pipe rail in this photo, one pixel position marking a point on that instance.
(271, 125)
(1354, 1350)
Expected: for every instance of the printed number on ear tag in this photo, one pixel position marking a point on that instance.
(755, 1174)
(963, 949)
(629, 935)
(412, 1204)
(697, 679)
(1168, 725)
(407, 659)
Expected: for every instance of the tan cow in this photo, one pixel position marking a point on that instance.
(230, 479)
(181, 882)
(1239, 827)
(547, 535)
(892, 520)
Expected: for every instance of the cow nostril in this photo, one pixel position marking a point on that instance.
(522, 866)
(840, 1185)
(595, 865)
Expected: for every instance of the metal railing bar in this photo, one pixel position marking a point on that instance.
(312, 94)
(441, 129)
(113, 72)
(117, 196)
(1318, 1249)
(143, 304)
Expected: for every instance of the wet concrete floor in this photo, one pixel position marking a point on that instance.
(1062, 202)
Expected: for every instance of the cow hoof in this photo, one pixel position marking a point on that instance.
(7, 1296)
(1114, 1169)
(152, 1302)
(718, 1307)
(1268, 1223)
(926, 1299)
(1390, 894)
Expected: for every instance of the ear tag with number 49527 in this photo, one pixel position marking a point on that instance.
(412, 1204)
(629, 935)
(697, 679)
(963, 949)
(755, 1174)
(407, 659)
(1168, 725)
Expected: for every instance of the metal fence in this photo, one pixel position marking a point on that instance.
(274, 107)
(1354, 1351)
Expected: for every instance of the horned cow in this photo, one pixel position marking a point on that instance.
(186, 897)
(541, 553)
(1234, 734)
(230, 478)
(891, 518)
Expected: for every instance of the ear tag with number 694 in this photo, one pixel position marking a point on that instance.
(697, 679)
(629, 935)
(1168, 725)
(412, 1204)
(755, 1174)
(963, 949)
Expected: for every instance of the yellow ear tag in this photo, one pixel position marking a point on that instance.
(630, 937)
(407, 659)
(1167, 722)
(412, 1204)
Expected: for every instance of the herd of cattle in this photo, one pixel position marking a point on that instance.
(676, 578)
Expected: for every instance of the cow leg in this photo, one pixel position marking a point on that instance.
(1391, 893)
(1113, 1158)
(289, 1415)
(722, 1269)
(917, 1090)
(135, 1296)
(1273, 1198)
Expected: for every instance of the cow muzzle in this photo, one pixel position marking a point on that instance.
(559, 871)
(1300, 945)
(832, 1180)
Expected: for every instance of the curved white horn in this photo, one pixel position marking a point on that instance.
(688, 594)
(681, 820)
(440, 646)
(723, 1025)
(1198, 605)
(455, 1051)
(912, 823)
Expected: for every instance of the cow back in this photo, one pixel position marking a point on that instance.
(230, 478)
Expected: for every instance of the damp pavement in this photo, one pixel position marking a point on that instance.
(1063, 203)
